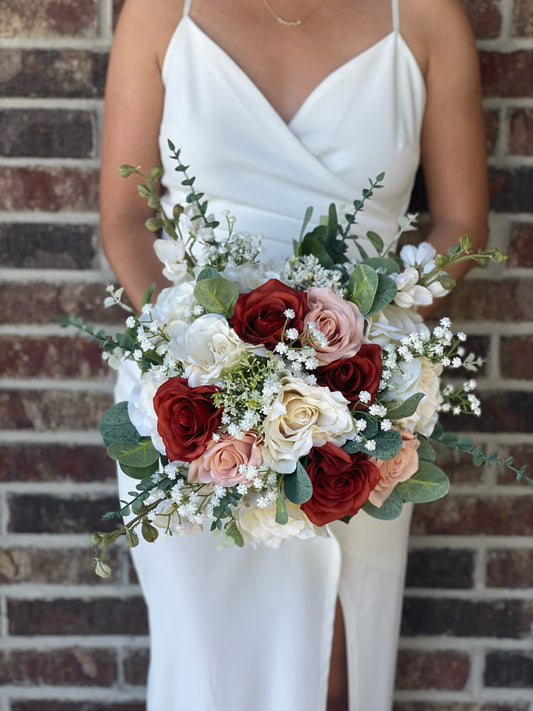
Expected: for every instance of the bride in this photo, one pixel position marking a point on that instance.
(277, 105)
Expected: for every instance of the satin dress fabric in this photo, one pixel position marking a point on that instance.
(251, 629)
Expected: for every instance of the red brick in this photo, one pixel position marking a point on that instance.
(55, 462)
(42, 73)
(460, 471)
(440, 568)
(42, 133)
(510, 190)
(47, 246)
(507, 75)
(521, 245)
(52, 410)
(521, 132)
(467, 618)
(432, 670)
(509, 670)
(485, 18)
(48, 18)
(136, 667)
(523, 19)
(101, 616)
(509, 300)
(492, 130)
(48, 189)
(470, 516)
(37, 302)
(50, 514)
(522, 455)
(58, 667)
(51, 357)
(510, 569)
(74, 566)
(516, 357)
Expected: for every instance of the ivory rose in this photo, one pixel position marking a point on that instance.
(393, 471)
(420, 375)
(259, 525)
(301, 417)
(394, 323)
(220, 462)
(141, 406)
(340, 321)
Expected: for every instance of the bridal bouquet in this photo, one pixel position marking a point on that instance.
(275, 399)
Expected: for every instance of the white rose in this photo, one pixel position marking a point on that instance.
(174, 303)
(393, 323)
(418, 376)
(207, 348)
(259, 525)
(249, 276)
(141, 406)
(304, 416)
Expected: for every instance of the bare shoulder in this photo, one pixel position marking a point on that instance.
(146, 26)
(436, 29)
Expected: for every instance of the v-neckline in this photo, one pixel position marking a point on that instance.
(321, 84)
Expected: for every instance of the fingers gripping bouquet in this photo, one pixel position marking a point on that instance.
(276, 399)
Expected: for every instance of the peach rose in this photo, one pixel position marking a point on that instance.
(340, 321)
(393, 471)
(220, 462)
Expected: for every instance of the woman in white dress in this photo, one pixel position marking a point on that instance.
(278, 105)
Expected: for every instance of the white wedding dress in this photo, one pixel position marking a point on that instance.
(250, 629)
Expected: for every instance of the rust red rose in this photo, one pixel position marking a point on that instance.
(351, 375)
(341, 482)
(186, 418)
(259, 316)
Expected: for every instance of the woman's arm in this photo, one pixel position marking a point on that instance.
(132, 114)
(453, 137)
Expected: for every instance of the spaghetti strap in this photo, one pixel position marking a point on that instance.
(186, 7)
(395, 15)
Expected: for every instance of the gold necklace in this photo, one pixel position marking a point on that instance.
(289, 23)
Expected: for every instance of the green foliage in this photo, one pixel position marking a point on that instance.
(231, 529)
(388, 444)
(406, 408)
(217, 295)
(140, 454)
(385, 293)
(282, 515)
(297, 486)
(116, 426)
(428, 484)
(389, 510)
(363, 286)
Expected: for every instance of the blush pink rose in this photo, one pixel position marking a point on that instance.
(340, 321)
(393, 471)
(220, 462)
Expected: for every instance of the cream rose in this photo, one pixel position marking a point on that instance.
(393, 471)
(141, 406)
(340, 321)
(420, 375)
(207, 348)
(174, 303)
(304, 416)
(259, 525)
(394, 323)
(220, 462)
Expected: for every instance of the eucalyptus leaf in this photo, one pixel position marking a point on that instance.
(217, 295)
(116, 426)
(352, 447)
(207, 273)
(385, 293)
(140, 454)
(425, 451)
(282, 515)
(297, 486)
(231, 529)
(139, 472)
(363, 286)
(389, 510)
(375, 240)
(388, 445)
(387, 265)
(406, 409)
(428, 484)
(372, 427)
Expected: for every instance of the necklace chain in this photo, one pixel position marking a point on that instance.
(289, 23)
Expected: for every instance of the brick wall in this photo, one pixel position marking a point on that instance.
(72, 642)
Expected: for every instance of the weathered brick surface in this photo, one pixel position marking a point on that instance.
(107, 616)
(521, 132)
(52, 357)
(74, 566)
(492, 130)
(479, 300)
(41, 133)
(509, 669)
(43, 73)
(507, 74)
(485, 17)
(510, 189)
(523, 18)
(440, 568)
(510, 569)
(505, 411)
(516, 357)
(52, 409)
(521, 245)
(58, 667)
(67, 463)
(432, 670)
(136, 667)
(470, 516)
(522, 456)
(48, 18)
(51, 189)
(50, 514)
(467, 618)
(47, 246)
